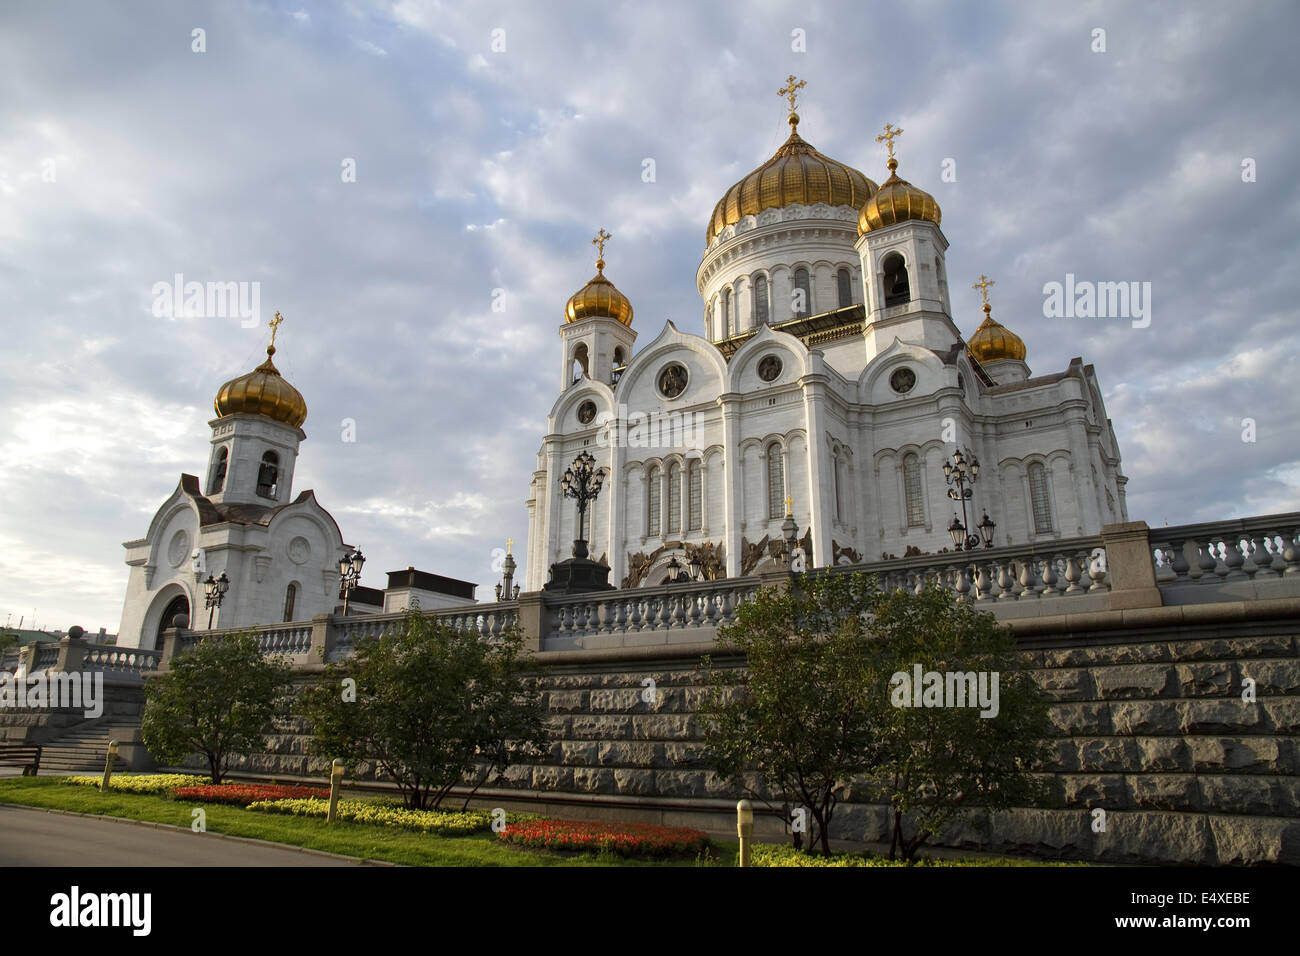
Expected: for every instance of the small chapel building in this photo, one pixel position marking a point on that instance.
(831, 383)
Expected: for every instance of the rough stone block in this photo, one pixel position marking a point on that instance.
(1165, 791)
(1108, 754)
(1134, 681)
(552, 778)
(1066, 683)
(1283, 715)
(581, 753)
(1251, 793)
(663, 727)
(1063, 756)
(635, 782)
(1274, 678)
(1214, 679)
(1147, 717)
(871, 823)
(1151, 835)
(593, 780)
(1252, 840)
(1164, 754)
(600, 728)
(1093, 790)
(1226, 716)
(1243, 754)
(566, 702)
(1077, 719)
(617, 701)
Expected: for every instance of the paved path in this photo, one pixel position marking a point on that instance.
(30, 837)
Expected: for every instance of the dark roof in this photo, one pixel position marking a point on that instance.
(364, 595)
(425, 581)
(211, 513)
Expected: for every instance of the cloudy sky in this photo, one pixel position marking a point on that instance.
(126, 157)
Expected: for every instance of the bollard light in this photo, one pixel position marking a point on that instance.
(336, 782)
(744, 828)
(108, 766)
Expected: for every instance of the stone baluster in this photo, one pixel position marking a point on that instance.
(1208, 562)
(1179, 563)
(1050, 579)
(1261, 557)
(1097, 571)
(1029, 583)
(1291, 552)
(983, 583)
(1005, 581)
(963, 586)
(1232, 559)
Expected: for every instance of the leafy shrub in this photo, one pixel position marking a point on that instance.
(590, 836)
(155, 783)
(443, 822)
(242, 794)
(769, 854)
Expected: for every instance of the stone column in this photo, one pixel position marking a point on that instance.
(732, 477)
(72, 653)
(532, 619)
(322, 639)
(817, 493)
(1130, 570)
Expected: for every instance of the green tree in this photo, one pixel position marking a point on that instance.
(819, 706)
(943, 762)
(430, 705)
(216, 700)
(801, 717)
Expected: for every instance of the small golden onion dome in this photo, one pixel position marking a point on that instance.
(264, 392)
(598, 298)
(796, 174)
(897, 201)
(993, 341)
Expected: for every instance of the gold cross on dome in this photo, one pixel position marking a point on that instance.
(602, 237)
(275, 324)
(983, 286)
(509, 543)
(887, 137)
(789, 504)
(791, 90)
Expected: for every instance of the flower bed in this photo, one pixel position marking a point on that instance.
(770, 854)
(591, 836)
(443, 822)
(155, 783)
(242, 794)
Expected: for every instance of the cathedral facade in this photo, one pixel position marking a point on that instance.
(831, 384)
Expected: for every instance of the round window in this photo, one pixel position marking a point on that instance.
(672, 380)
(587, 412)
(902, 380)
(769, 368)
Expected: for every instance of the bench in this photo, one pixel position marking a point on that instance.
(26, 755)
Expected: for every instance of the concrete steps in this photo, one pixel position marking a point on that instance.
(83, 750)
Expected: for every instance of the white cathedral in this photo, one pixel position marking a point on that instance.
(831, 383)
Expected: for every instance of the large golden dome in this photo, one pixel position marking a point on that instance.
(897, 201)
(796, 173)
(264, 392)
(993, 341)
(599, 297)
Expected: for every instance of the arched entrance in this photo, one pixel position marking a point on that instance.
(180, 604)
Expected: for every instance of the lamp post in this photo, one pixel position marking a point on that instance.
(674, 570)
(582, 482)
(960, 473)
(214, 592)
(350, 574)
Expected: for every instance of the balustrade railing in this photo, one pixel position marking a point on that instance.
(699, 607)
(123, 661)
(1245, 557)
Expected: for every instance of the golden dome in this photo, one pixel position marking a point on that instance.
(598, 297)
(264, 392)
(796, 173)
(993, 341)
(897, 201)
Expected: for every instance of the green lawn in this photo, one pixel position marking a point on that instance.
(348, 839)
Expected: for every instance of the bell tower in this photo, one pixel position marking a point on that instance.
(905, 283)
(597, 332)
(255, 436)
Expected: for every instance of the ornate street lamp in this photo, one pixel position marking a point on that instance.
(674, 570)
(506, 591)
(350, 574)
(697, 567)
(214, 592)
(582, 482)
(961, 472)
(987, 527)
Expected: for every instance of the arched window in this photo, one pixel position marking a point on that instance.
(1039, 497)
(801, 294)
(912, 492)
(897, 288)
(674, 497)
(268, 475)
(619, 366)
(290, 598)
(694, 490)
(844, 281)
(580, 361)
(726, 313)
(760, 301)
(218, 479)
(652, 496)
(775, 482)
